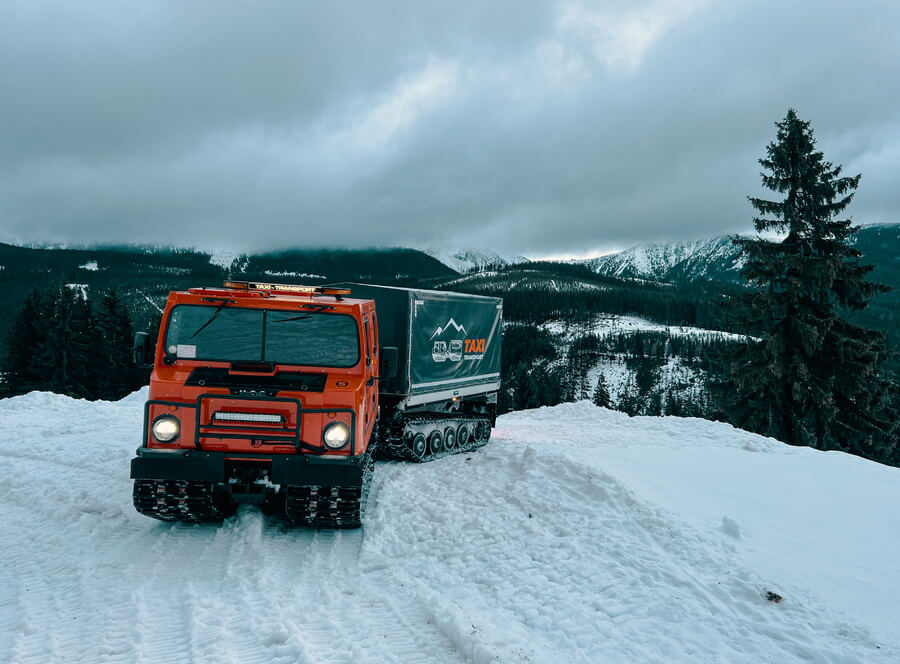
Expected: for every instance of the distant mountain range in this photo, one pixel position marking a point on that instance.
(717, 259)
(145, 275)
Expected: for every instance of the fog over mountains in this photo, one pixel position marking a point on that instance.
(645, 321)
(146, 274)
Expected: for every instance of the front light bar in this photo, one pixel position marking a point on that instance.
(268, 418)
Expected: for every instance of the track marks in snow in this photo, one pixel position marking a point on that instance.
(516, 539)
(516, 553)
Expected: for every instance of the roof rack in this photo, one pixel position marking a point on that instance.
(287, 288)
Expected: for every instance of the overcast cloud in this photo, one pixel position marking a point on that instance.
(527, 127)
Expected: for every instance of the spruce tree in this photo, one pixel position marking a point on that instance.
(69, 358)
(583, 384)
(629, 398)
(810, 377)
(568, 381)
(549, 385)
(116, 377)
(24, 344)
(646, 374)
(673, 405)
(525, 391)
(601, 392)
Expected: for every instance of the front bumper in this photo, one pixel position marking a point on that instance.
(203, 466)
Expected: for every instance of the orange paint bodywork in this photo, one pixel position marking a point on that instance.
(346, 389)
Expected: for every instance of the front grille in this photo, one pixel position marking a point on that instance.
(259, 386)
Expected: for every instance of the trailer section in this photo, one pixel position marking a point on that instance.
(448, 343)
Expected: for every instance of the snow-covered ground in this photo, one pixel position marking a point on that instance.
(224, 257)
(80, 289)
(607, 324)
(576, 535)
(676, 377)
(300, 275)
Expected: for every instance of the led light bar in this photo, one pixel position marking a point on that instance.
(267, 418)
(286, 288)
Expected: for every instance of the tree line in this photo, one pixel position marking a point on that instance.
(692, 304)
(582, 294)
(61, 343)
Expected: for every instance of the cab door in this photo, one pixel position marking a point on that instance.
(371, 397)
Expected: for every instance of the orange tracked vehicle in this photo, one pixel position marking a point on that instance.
(279, 395)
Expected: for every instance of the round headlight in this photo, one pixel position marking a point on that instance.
(166, 428)
(336, 435)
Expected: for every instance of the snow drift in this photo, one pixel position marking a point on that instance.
(577, 535)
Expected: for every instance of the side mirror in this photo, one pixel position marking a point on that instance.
(143, 350)
(389, 358)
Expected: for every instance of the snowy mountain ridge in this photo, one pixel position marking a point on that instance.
(713, 258)
(470, 260)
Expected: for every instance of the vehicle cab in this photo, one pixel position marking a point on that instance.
(256, 385)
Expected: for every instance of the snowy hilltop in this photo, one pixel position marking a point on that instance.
(471, 260)
(578, 534)
(714, 258)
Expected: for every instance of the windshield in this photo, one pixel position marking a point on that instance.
(268, 335)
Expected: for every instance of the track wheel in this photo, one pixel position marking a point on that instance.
(436, 442)
(418, 446)
(449, 439)
(479, 433)
(486, 432)
(462, 434)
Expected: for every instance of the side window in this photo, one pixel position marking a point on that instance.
(368, 342)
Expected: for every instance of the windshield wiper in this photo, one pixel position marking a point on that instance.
(287, 320)
(211, 318)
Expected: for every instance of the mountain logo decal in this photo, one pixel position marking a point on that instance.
(450, 323)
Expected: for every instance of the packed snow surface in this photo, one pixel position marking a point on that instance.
(576, 535)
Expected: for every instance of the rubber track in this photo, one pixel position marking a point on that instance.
(330, 506)
(394, 443)
(171, 500)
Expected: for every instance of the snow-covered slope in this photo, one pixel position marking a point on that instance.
(576, 535)
(468, 260)
(714, 258)
(718, 258)
(224, 258)
(609, 324)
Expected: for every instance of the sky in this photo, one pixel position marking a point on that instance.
(530, 128)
